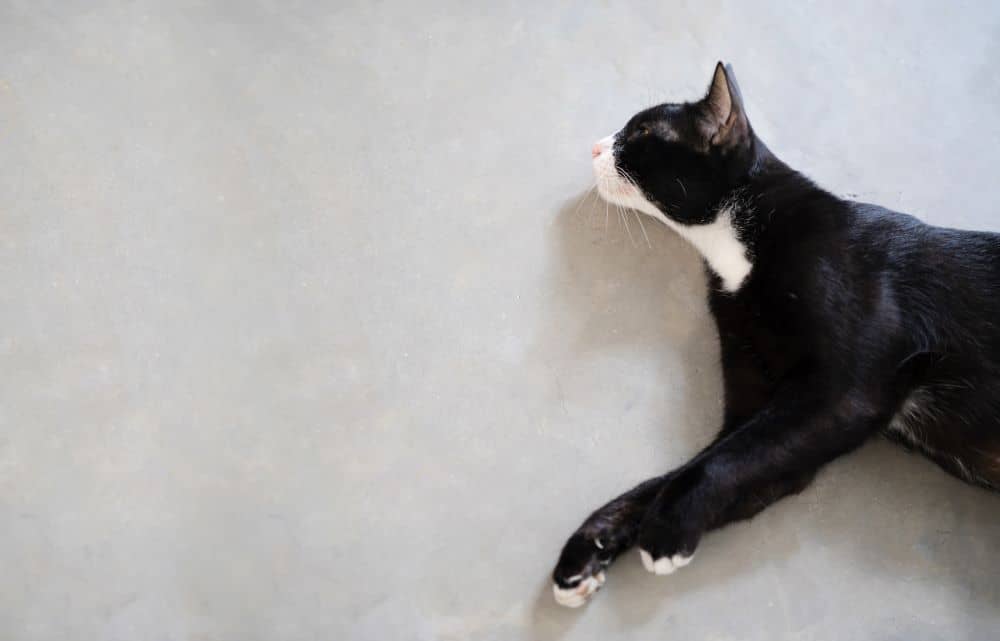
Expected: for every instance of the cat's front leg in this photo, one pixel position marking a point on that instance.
(601, 538)
(674, 535)
(774, 454)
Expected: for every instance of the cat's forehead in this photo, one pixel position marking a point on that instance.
(671, 121)
(666, 112)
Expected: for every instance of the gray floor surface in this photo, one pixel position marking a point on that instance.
(306, 334)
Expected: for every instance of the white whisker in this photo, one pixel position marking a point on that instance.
(606, 214)
(627, 229)
(584, 198)
(638, 217)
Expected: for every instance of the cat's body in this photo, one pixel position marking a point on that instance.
(838, 321)
(845, 289)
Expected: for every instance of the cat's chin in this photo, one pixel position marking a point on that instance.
(618, 192)
(629, 197)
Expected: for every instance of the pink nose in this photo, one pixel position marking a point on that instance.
(596, 150)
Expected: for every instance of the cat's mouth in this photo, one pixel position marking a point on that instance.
(612, 184)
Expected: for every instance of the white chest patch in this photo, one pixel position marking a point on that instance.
(722, 249)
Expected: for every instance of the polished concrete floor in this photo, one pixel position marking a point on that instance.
(307, 330)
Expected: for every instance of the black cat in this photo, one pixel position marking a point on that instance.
(838, 320)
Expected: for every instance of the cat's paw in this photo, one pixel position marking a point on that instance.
(580, 570)
(664, 547)
(578, 589)
(664, 564)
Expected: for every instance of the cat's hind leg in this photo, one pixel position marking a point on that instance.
(952, 420)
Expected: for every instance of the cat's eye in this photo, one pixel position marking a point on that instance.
(641, 131)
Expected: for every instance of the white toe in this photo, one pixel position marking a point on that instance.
(577, 596)
(663, 566)
(567, 597)
(647, 560)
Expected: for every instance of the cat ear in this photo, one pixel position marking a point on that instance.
(723, 120)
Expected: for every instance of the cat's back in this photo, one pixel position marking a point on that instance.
(946, 281)
(829, 271)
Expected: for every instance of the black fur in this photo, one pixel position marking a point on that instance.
(854, 318)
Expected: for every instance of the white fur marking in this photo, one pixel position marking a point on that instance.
(663, 565)
(904, 422)
(577, 596)
(918, 406)
(717, 241)
(681, 560)
(647, 560)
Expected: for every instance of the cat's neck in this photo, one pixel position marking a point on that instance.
(727, 243)
(723, 243)
(743, 216)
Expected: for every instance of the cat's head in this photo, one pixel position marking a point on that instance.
(676, 161)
